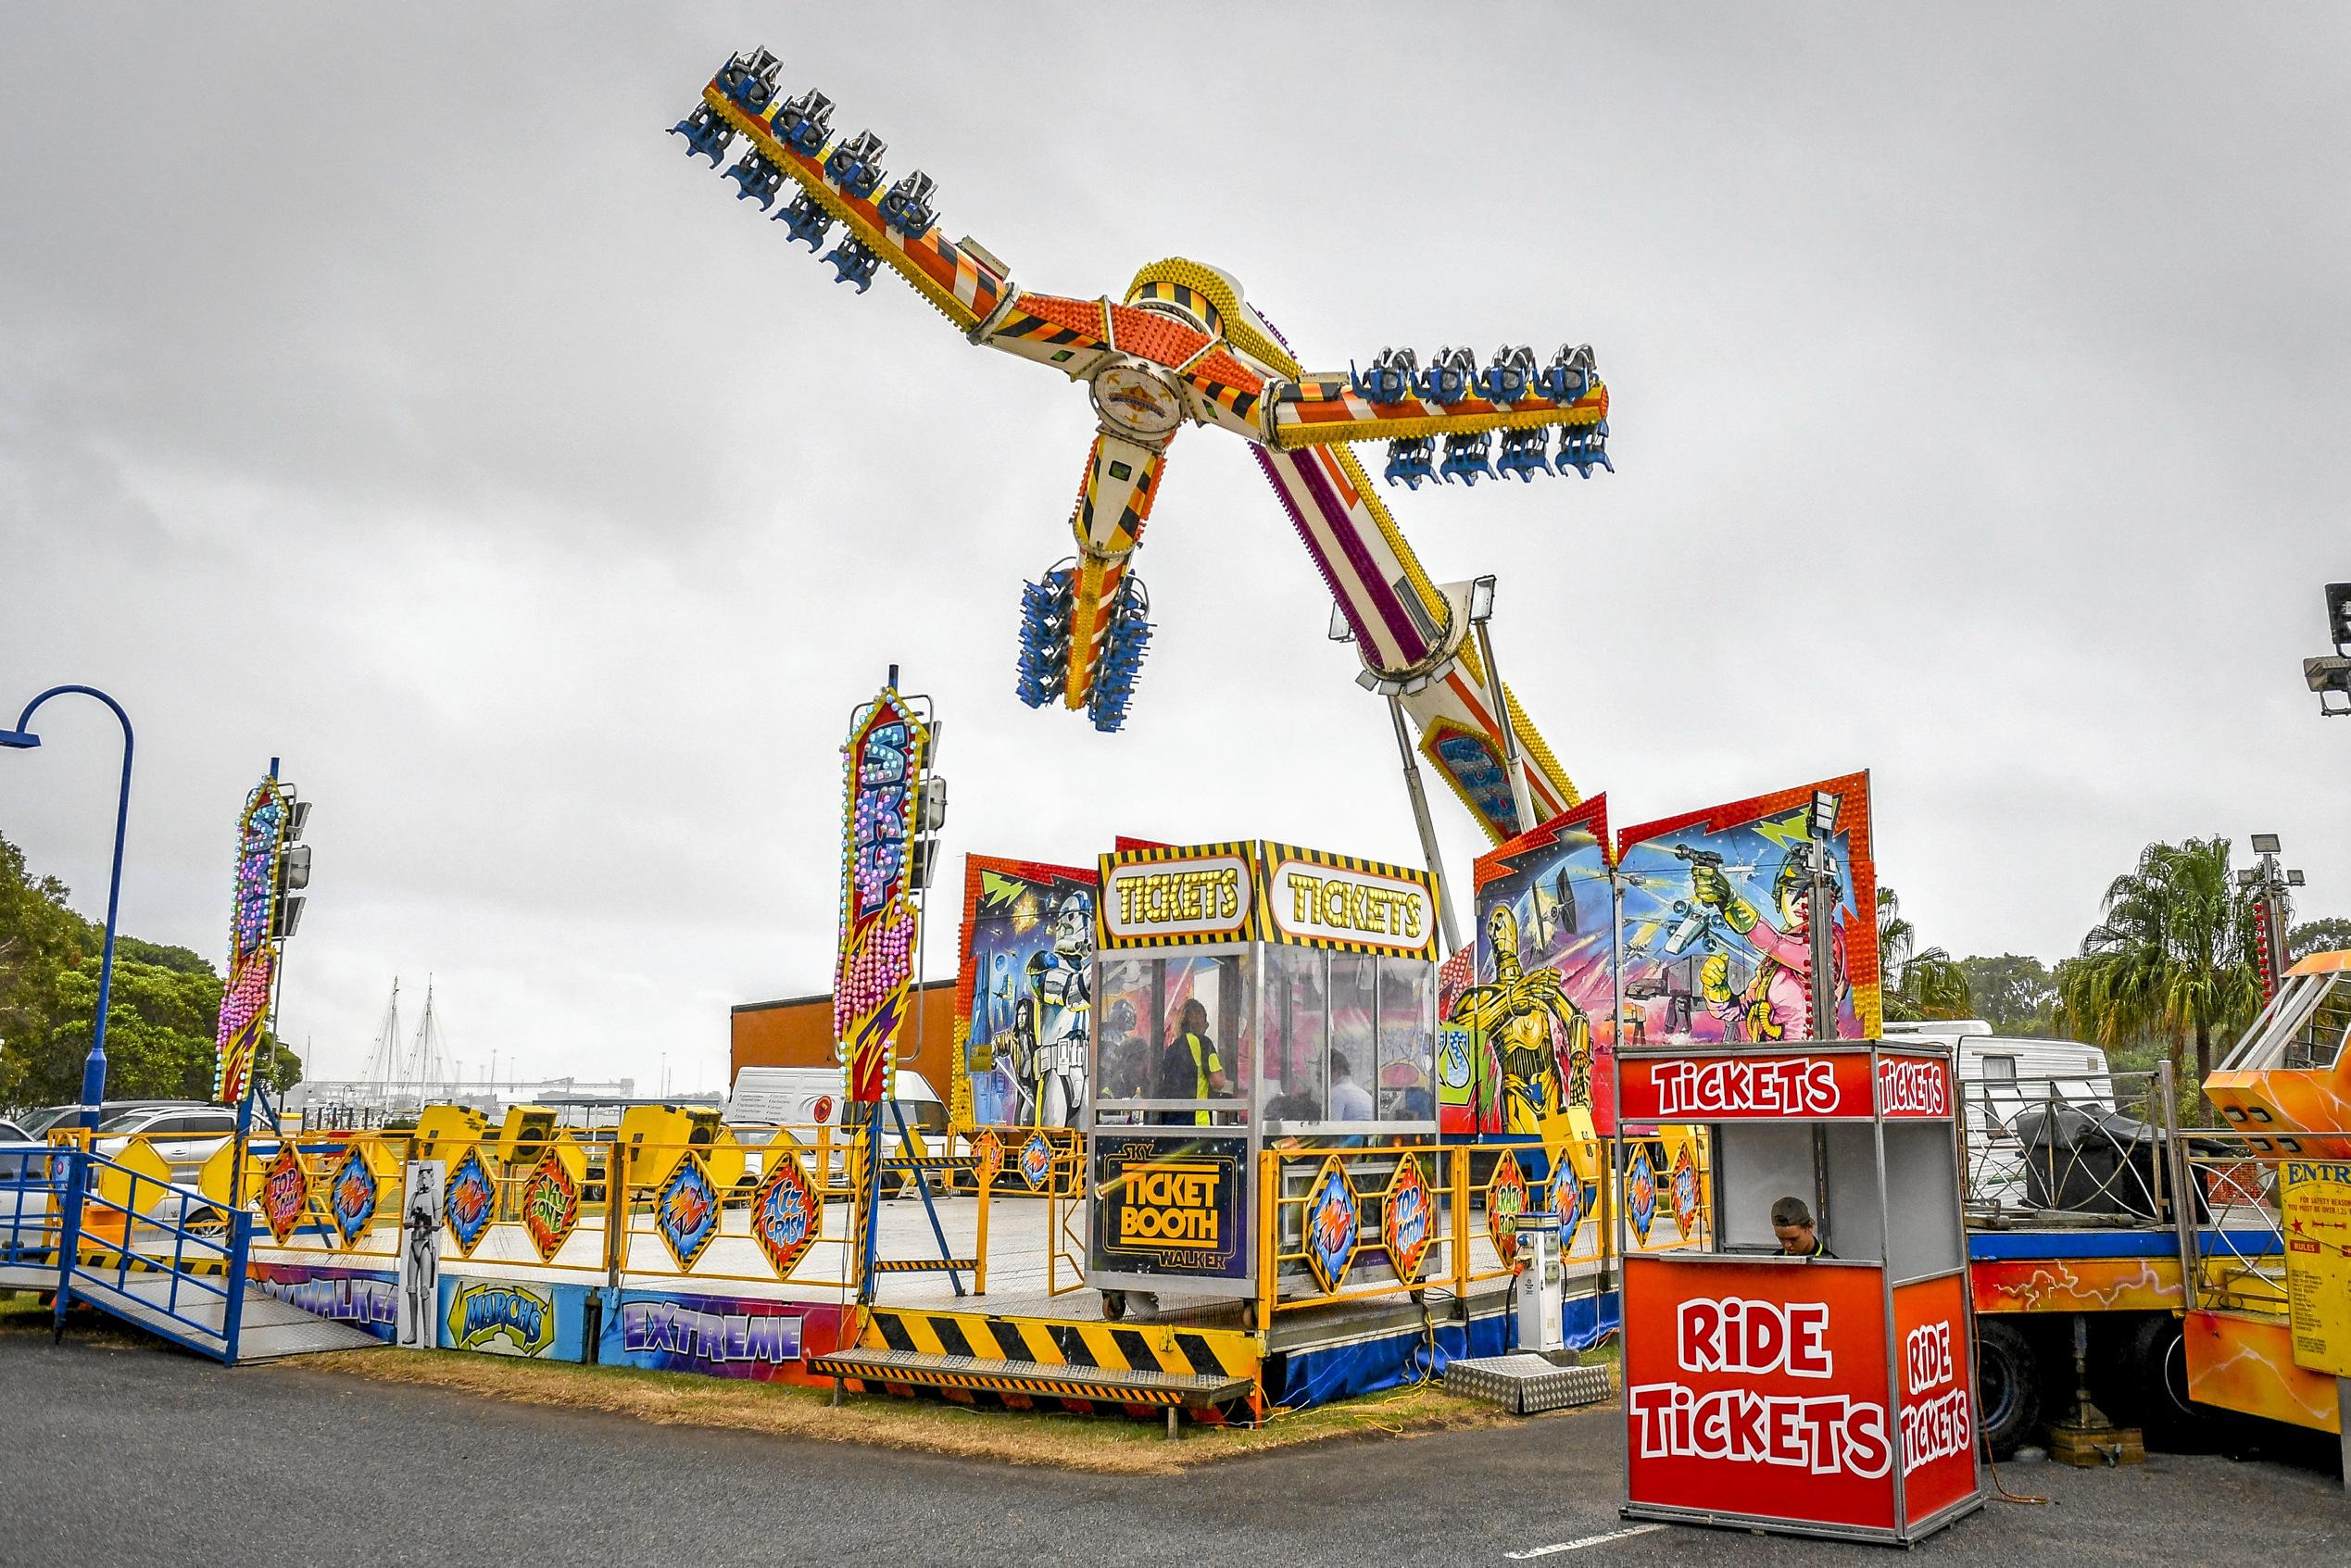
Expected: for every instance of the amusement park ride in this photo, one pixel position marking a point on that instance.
(1184, 346)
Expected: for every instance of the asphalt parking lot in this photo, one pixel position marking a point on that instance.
(141, 1455)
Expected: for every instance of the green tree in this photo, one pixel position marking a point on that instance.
(162, 1018)
(2014, 994)
(2173, 956)
(1914, 983)
(2332, 934)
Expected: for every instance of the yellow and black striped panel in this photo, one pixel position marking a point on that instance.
(1271, 861)
(1251, 928)
(1046, 1343)
(1020, 1388)
(1182, 297)
(923, 1265)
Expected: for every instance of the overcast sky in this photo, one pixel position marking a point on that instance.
(381, 389)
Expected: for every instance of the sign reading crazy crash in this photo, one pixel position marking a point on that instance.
(1171, 1206)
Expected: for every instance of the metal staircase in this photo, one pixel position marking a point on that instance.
(87, 1228)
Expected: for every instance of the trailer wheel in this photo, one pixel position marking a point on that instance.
(2158, 1358)
(2008, 1385)
(1113, 1304)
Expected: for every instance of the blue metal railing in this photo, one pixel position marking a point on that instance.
(32, 1187)
(138, 1256)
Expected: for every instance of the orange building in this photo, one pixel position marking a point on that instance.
(797, 1031)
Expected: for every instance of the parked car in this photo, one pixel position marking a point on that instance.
(24, 1197)
(49, 1119)
(182, 1131)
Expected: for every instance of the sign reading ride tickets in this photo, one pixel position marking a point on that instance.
(1762, 1390)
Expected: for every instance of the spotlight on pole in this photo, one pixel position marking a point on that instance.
(2265, 843)
(1825, 805)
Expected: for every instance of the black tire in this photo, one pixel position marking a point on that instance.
(1113, 1304)
(2008, 1385)
(2155, 1365)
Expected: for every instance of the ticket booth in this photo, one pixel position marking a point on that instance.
(1243, 993)
(1823, 1396)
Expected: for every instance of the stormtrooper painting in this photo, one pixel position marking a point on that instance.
(1027, 972)
(420, 1327)
(1059, 1007)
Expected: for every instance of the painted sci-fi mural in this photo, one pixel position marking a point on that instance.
(1714, 924)
(1025, 1011)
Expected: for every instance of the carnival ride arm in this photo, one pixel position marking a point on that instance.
(839, 182)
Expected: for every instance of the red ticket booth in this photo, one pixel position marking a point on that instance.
(1830, 1395)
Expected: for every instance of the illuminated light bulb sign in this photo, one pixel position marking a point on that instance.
(244, 1004)
(882, 767)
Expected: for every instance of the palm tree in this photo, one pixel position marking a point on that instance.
(2173, 955)
(1916, 983)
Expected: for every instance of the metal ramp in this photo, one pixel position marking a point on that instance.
(156, 1255)
(267, 1327)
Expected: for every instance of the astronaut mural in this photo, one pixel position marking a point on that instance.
(1024, 995)
(1713, 911)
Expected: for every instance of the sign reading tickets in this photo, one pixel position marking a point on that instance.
(1825, 1086)
(1174, 1208)
(1259, 892)
(2313, 1201)
(1310, 900)
(1206, 896)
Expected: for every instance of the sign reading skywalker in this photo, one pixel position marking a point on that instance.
(1170, 1208)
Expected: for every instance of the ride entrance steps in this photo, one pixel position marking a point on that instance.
(162, 1258)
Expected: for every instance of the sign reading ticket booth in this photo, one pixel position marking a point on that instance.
(1172, 1209)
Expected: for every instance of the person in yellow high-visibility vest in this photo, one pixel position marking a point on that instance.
(1188, 1068)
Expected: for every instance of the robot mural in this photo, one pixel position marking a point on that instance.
(1708, 914)
(1184, 346)
(1026, 1001)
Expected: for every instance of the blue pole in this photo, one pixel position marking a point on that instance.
(93, 1067)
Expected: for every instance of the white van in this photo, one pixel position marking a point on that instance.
(802, 1097)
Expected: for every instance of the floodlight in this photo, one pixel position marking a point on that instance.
(2339, 613)
(2293, 879)
(2328, 672)
(1482, 597)
(1339, 631)
(2248, 877)
(1825, 805)
(2265, 843)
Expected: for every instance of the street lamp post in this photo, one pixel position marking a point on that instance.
(21, 738)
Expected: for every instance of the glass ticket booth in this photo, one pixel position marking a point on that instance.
(1813, 1372)
(1243, 993)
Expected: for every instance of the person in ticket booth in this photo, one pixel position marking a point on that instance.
(1792, 1223)
(1188, 1068)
